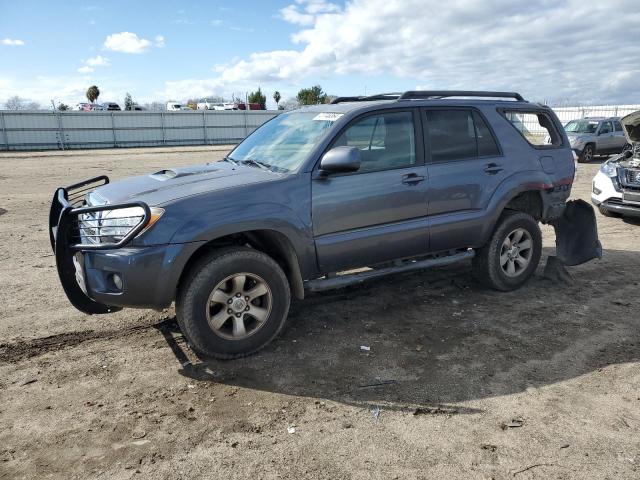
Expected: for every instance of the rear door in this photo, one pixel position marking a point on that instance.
(465, 166)
(378, 213)
(606, 139)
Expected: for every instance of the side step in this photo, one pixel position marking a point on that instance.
(321, 284)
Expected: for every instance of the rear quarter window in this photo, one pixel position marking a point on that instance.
(537, 128)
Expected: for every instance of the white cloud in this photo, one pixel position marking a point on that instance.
(98, 61)
(306, 11)
(159, 41)
(12, 42)
(539, 48)
(85, 69)
(127, 42)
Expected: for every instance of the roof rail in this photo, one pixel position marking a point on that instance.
(363, 98)
(422, 94)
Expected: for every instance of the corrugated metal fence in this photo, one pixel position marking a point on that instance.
(30, 130)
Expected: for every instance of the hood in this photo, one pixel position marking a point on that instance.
(631, 127)
(171, 184)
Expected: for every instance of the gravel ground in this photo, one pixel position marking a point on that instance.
(460, 382)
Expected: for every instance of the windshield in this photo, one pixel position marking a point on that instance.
(282, 144)
(581, 127)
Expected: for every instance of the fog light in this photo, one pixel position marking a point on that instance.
(117, 281)
(596, 190)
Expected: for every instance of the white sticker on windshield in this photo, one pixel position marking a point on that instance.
(329, 117)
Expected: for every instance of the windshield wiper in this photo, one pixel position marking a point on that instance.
(230, 160)
(263, 166)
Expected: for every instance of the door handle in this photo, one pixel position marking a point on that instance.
(492, 168)
(412, 179)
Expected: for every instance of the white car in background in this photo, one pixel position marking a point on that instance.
(174, 106)
(616, 186)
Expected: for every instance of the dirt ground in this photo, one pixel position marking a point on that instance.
(459, 382)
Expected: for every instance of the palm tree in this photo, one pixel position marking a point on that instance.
(277, 97)
(93, 93)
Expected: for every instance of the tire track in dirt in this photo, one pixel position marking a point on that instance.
(15, 352)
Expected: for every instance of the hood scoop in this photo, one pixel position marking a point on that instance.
(171, 173)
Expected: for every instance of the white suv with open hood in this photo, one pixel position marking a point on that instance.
(616, 186)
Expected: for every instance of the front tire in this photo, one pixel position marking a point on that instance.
(233, 303)
(587, 154)
(511, 255)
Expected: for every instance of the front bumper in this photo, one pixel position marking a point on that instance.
(103, 278)
(605, 195)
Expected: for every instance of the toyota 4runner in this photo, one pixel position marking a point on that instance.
(323, 197)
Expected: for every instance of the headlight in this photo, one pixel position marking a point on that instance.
(609, 169)
(111, 226)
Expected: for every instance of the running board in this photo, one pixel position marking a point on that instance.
(340, 281)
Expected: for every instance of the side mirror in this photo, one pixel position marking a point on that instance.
(340, 160)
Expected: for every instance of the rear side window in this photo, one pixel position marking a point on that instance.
(617, 126)
(536, 127)
(458, 135)
(606, 128)
(486, 143)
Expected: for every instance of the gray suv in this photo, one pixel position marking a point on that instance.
(593, 136)
(320, 198)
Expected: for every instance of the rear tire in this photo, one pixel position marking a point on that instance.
(511, 255)
(587, 154)
(233, 303)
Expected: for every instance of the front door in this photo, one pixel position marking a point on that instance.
(379, 212)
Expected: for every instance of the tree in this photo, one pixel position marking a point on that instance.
(290, 104)
(93, 93)
(15, 103)
(63, 107)
(276, 98)
(311, 96)
(259, 98)
(192, 104)
(155, 106)
(128, 102)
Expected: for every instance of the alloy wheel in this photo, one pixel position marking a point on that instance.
(516, 252)
(239, 306)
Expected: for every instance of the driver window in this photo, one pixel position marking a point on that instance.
(385, 141)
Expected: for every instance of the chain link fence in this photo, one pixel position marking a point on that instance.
(566, 114)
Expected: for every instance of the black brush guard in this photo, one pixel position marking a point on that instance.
(64, 236)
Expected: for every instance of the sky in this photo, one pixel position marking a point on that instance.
(563, 52)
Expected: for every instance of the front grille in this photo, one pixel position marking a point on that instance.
(632, 177)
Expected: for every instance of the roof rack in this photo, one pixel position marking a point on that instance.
(428, 94)
(420, 94)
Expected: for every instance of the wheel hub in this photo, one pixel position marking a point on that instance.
(239, 305)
